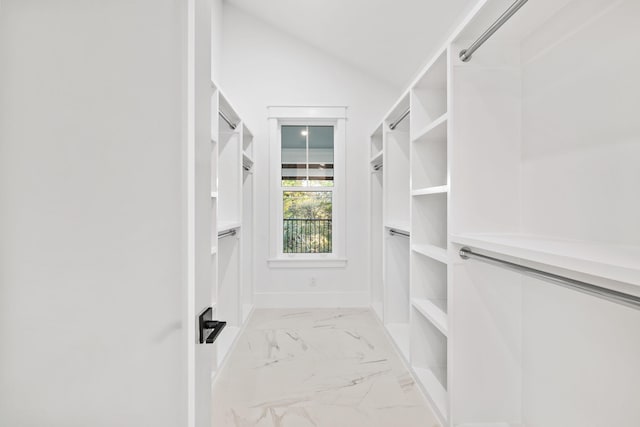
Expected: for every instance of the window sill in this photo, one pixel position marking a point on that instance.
(307, 263)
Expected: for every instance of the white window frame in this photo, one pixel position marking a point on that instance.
(307, 116)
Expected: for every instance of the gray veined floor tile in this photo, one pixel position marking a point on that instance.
(318, 368)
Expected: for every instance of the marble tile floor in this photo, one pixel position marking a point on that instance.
(319, 368)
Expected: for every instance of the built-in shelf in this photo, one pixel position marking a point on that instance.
(399, 226)
(430, 190)
(429, 220)
(377, 159)
(437, 129)
(225, 341)
(613, 262)
(432, 312)
(400, 334)
(228, 225)
(431, 251)
(434, 390)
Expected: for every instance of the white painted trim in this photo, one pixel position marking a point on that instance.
(191, 208)
(307, 263)
(306, 112)
(311, 299)
(334, 116)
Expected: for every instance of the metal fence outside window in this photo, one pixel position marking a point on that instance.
(304, 236)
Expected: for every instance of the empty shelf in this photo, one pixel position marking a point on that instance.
(377, 159)
(432, 313)
(431, 251)
(437, 129)
(430, 190)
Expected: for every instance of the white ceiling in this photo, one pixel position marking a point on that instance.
(389, 39)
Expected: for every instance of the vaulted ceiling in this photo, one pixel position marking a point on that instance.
(389, 39)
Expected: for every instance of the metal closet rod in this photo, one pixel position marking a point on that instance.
(465, 54)
(394, 232)
(576, 285)
(395, 123)
(229, 122)
(227, 233)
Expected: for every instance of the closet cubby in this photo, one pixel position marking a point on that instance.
(229, 279)
(396, 163)
(376, 143)
(397, 295)
(429, 359)
(429, 171)
(229, 189)
(395, 203)
(429, 292)
(215, 136)
(429, 220)
(429, 97)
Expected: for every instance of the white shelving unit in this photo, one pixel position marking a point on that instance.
(248, 223)
(377, 221)
(391, 142)
(528, 152)
(231, 210)
(429, 242)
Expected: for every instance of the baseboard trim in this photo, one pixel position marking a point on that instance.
(311, 299)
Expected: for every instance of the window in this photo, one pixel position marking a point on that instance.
(307, 206)
(307, 188)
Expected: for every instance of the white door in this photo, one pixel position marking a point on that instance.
(97, 305)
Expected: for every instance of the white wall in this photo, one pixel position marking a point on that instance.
(263, 67)
(91, 218)
(216, 38)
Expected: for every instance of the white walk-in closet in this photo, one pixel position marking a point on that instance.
(252, 213)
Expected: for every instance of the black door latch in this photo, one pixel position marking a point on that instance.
(206, 322)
